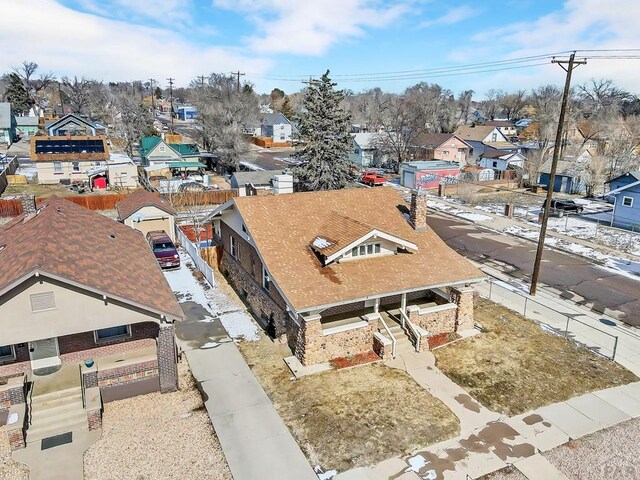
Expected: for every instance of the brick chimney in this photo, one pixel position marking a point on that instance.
(28, 205)
(418, 211)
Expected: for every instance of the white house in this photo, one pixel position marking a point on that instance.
(479, 136)
(278, 127)
(501, 160)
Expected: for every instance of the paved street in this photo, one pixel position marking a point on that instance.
(594, 286)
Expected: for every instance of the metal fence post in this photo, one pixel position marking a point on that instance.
(615, 348)
(566, 330)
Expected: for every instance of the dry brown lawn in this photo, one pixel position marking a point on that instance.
(352, 417)
(157, 436)
(516, 366)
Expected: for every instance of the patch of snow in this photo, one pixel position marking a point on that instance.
(184, 284)
(29, 172)
(320, 242)
(474, 217)
(240, 326)
(209, 345)
(13, 418)
(328, 475)
(416, 463)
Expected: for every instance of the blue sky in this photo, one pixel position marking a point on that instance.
(278, 43)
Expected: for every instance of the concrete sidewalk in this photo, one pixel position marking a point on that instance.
(255, 441)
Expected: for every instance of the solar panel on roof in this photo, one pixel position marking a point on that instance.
(68, 146)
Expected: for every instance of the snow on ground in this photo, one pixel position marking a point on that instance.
(239, 326)
(618, 265)
(187, 288)
(29, 172)
(474, 217)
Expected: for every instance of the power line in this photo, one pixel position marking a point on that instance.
(238, 74)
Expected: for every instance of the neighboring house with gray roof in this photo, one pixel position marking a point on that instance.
(278, 127)
(260, 180)
(27, 125)
(8, 132)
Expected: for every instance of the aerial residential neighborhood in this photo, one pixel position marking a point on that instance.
(347, 241)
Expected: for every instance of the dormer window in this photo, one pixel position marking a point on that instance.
(368, 249)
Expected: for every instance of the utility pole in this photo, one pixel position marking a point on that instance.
(153, 97)
(238, 75)
(201, 78)
(171, 100)
(571, 64)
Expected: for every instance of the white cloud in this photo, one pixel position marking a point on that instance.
(455, 15)
(578, 24)
(106, 49)
(310, 28)
(164, 12)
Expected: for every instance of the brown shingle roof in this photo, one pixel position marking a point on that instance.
(432, 140)
(142, 198)
(68, 241)
(475, 133)
(338, 231)
(296, 270)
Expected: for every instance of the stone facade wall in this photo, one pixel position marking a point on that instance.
(260, 302)
(167, 359)
(315, 347)
(16, 431)
(382, 348)
(418, 211)
(463, 297)
(12, 393)
(94, 419)
(435, 323)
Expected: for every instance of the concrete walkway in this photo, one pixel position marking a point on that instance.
(255, 441)
(64, 462)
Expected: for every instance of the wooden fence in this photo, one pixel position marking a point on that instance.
(8, 168)
(12, 208)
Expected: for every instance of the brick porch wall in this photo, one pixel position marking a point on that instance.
(127, 374)
(435, 323)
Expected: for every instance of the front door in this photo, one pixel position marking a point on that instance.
(44, 353)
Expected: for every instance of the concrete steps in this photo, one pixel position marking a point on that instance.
(402, 340)
(55, 413)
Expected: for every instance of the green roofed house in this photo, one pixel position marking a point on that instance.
(154, 150)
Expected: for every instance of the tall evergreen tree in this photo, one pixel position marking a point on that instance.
(324, 139)
(17, 95)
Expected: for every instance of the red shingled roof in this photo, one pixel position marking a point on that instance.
(71, 243)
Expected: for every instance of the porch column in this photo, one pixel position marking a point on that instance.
(376, 306)
(167, 366)
(403, 303)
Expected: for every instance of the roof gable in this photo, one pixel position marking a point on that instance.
(68, 119)
(83, 248)
(139, 199)
(477, 133)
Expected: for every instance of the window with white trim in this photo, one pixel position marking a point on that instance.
(7, 353)
(162, 149)
(365, 250)
(75, 167)
(57, 167)
(233, 246)
(112, 333)
(627, 201)
(266, 280)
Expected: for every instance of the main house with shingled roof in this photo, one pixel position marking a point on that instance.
(346, 271)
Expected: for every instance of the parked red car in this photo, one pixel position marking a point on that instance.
(372, 179)
(164, 249)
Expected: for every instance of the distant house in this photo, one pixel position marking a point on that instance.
(479, 137)
(62, 158)
(441, 146)
(501, 160)
(72, 125)
(8, 132)
(155, 150)
(567, 179)
(365, 152)
(428, 174)
(119, 172)
(258, 180)
(507, 128)
(146, 212)
(277, 127)
(27, 126)
(625, 190)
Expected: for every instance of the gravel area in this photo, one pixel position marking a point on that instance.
(158, 436)
(9, 469)
(507, 473)
(612, 453)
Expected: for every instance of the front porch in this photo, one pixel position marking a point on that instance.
(383, 324)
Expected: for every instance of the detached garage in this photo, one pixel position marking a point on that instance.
(147, 211)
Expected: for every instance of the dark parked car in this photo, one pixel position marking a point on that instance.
(560, 207)
(164, 249)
